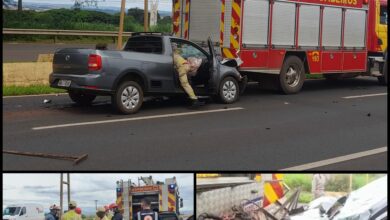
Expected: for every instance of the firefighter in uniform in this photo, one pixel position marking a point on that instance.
(108, 212)
(117, 214)
(182, 67)
(101, 214)
(71, 213)
(146, 213)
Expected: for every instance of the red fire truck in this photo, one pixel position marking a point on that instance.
(286, 39)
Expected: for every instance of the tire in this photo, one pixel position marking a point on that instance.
(81, 98)
(229, 90)
(383, 79)
(292, 75)
(133, 97)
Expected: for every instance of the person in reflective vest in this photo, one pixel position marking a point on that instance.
(101, 214)
(71, 213)
(146, 213)
(117, 214)
(183, 67)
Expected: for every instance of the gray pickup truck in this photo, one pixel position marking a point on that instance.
(143, 68)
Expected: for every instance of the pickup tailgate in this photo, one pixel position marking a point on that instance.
(71, 61)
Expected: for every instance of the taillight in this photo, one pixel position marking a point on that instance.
(94, 62)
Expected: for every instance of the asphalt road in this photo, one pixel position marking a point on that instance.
(263, 131)
(28, 52)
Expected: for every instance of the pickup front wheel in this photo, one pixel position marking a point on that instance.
(128, 97)
(229, 90)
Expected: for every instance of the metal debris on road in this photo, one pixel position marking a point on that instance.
(75, 159)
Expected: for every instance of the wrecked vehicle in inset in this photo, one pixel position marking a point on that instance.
(367, 203)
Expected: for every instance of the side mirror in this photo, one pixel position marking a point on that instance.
(181, 203)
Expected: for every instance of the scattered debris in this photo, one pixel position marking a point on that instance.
(75, 159)
(369, 114)
(46, 101)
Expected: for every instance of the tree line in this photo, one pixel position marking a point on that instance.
(76, 19)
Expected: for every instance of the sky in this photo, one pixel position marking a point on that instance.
(163, 5)
(85, 188)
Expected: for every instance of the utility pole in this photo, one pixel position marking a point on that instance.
(20, 7)
(121, 21)
(146, 16)
(62, 182)
(96, 204)
(350, 182)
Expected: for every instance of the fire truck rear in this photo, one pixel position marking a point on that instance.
(164, 196)
(284, 40)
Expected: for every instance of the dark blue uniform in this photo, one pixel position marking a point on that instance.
(147, 214)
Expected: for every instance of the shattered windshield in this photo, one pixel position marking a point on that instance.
(11, 211)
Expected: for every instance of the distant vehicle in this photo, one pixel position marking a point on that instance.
(23, 212)
(144, 67)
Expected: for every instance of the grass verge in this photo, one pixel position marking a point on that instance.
(29, 90)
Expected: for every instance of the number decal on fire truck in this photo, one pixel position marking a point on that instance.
(315, 56)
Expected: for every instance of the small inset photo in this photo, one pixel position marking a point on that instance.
(108, 196)
(291, 196)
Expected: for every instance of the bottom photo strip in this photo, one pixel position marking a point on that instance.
(182, 196)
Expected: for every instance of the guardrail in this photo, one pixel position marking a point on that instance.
(64, 32)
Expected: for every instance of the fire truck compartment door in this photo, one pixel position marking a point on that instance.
(331, 31)
(309, 25)
(204, 20)
(255, 23)
(355, 25)
(283, 24)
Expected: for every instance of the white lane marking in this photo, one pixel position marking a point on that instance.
(136, 118)
(362, 96)
(335, 160)
(24, 96)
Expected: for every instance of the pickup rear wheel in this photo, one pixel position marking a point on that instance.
(229, 90)
(292, 75)
(81, 98)
(128, 97)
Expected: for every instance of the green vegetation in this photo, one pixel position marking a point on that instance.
(75, 19)
(337, 183)
(29, 90)
(314, 76)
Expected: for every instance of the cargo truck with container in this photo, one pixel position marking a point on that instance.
(283, 40)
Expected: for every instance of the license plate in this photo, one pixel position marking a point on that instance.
(64, 83)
